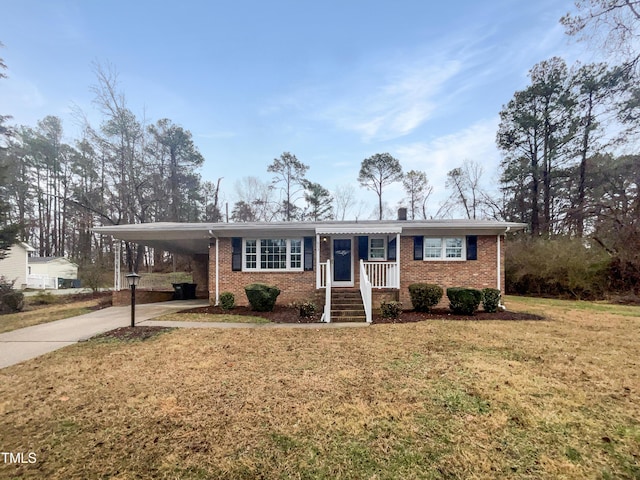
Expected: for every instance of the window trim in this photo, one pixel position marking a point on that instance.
(258, 254)
(443, 250)
(384, 245)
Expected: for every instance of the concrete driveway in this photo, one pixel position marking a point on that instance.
(30, 342)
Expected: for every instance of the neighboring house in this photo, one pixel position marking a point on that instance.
(312, 260)
(14, 267)
(59, 267)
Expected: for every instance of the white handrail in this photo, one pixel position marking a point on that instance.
(327, 294)
(365, 291)
(382, 274)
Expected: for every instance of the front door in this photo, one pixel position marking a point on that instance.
(342, 262)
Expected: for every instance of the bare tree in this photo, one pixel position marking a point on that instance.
(377, 172)
(416, 186)
(613, 25)
(289, 173)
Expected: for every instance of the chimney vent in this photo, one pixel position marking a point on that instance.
(402, 213)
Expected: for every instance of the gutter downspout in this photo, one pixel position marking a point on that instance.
(499, 269)
(217, 267)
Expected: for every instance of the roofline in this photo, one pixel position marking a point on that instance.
(226, 229)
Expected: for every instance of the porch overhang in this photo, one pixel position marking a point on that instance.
(359, 230)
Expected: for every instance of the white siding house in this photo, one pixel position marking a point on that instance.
(15, 267)
(53, 267)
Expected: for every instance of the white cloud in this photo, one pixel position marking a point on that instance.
(398, 104)
(442, 154)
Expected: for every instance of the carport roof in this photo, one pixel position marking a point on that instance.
(194, 238)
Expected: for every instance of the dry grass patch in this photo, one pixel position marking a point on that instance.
(439, 399)
(208, 317)
(37, 314)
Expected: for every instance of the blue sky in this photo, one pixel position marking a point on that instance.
(332, 82)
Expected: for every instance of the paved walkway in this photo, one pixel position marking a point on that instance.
(30, 342)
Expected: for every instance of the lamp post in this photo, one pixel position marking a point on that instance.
(133, 279)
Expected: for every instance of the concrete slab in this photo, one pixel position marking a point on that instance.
(30, 342)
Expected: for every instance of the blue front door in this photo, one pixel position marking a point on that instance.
(342, 261)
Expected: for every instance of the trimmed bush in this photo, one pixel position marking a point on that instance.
(424, 296)
(464, 301)
(262, 297)
(227, 300)
(390, 309)
(490, 299)
(306, 309)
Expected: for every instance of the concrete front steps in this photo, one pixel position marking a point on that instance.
(347, 306)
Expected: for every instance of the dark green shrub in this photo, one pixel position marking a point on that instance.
(390, 309)
(227, 300)
(262, 297)
(464, 301)
(490, 299)
(11, 302)
(424, 296)
(306, 309)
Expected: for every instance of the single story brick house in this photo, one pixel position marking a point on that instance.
(313, 260)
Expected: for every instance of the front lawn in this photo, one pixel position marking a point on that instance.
(556, 398)
(63, 307)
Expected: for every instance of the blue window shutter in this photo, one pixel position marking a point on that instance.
(236, 254)
(391, 250)
(472, 247)
(363, 248)
(418, 250)
(308, 253)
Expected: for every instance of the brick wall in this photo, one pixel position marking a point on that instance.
(294, 286)
(301, 286)
(123, 297)
(200, 274)
(480, 273)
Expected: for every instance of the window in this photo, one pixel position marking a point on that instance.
(272, 254)
(377, 250)
(452, 248)
(432, 248)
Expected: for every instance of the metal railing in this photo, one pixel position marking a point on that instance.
(382, 274)
(365, 291)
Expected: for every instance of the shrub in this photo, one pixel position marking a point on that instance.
(424, 296)
(562, 267)
(262, 297)
(306, 309)
(390, 309)
(227, 300)
(43, 298)
(464, 301)
(490, 299)
(12, 302)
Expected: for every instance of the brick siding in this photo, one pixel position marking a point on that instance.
(301, 286)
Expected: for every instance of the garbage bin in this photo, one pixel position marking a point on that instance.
(189, 290)
(178, 291)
